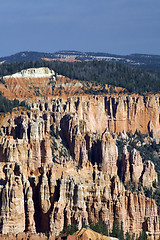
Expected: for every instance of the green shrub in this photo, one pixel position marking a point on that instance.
(70, 229)
(99, 227)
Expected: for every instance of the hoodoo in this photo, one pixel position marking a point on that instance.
(75, 159)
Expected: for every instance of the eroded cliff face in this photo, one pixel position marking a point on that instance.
(116, 113)
(45, 83)
(59, 164)
(57, 196)
(47, 196)
(25, 140)
(134, 170)
(17, 207)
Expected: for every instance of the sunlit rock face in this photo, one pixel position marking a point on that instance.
(59, 161)
(33, 73)
(57, 196)
(117, 112)
(25, 139)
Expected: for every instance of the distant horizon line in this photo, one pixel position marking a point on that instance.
(58, 51)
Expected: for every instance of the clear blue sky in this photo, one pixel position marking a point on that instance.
(112, 26)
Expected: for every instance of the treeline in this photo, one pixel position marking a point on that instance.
(116, 74)
(117, 230)
(7, 105)
(133, 79)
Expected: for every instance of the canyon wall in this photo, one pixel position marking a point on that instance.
(25, 140)
(59, 160)
(57, 196)
(38, 195)
(116, 113)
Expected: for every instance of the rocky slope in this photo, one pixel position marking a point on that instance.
(59, 162)
(89, 234)
(42, 83)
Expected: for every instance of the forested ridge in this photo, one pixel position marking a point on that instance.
(135, 80)
(145, 61)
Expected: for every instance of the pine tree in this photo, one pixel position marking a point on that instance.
(121, 232)
(115, 229)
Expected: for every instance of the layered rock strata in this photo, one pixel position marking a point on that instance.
(25, 139)
(38, 195)
(57, 196)
(117, 113)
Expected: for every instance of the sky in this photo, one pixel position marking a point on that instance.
(110, 26)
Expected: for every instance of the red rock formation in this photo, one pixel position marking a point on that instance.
(86, 234)
(39, 195)
(109, 154)
(126, 165)
(27, 141)
(26, 236)
(74, 197)
(136, 165)
(12, 203)
(117, 113)
(149, 175)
